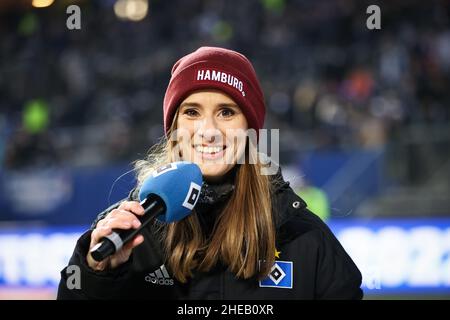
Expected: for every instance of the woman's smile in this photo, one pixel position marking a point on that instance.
(210, 152)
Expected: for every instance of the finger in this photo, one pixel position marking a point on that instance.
(134, 243)
(126, 250)
(127, 218)
(113, 213)
(99, 233)
(100, 223)
(137, 240)
(95, 265)
(132, 206)
(122, 223)
(118, 212)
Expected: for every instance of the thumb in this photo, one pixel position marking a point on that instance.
(124, 254)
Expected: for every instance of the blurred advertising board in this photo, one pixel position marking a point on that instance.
(394, 256)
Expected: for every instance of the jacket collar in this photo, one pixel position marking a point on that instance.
(213, 193)
(283, 197)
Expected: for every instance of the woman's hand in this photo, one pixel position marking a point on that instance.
(124, 217)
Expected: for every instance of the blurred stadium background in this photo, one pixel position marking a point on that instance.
(363, 118)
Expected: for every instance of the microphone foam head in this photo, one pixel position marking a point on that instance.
(178, 184)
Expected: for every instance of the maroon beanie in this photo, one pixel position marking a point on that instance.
(216, 68)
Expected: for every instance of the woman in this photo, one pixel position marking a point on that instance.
(249, 236)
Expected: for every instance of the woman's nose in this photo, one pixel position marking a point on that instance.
(208, 131)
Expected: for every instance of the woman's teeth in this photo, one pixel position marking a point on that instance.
(209, 150)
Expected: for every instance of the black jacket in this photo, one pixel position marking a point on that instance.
(313, 264)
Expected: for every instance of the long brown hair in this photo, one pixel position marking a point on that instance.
(243, 237)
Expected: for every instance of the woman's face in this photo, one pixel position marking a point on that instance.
(211, 132)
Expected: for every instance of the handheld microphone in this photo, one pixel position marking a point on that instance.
(169, 195)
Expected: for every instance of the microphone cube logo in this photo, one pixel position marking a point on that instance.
(163, 169)
(192, 196)
(280, 276)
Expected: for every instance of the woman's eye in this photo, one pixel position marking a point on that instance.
(226, 112)
(191, 112)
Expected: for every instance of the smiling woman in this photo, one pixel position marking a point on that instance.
(243, 221)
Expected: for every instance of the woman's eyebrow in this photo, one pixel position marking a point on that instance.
(220, 105)
(189, 104)
(230, 105)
